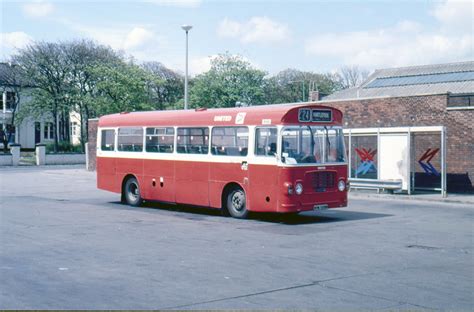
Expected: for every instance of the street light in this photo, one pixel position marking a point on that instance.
(186, 28)
(302, 83)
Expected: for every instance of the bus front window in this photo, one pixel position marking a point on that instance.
(311, 144)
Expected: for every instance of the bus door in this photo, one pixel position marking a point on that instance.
(229, 151)
(263, 171)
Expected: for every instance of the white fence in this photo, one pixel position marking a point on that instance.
(6, 159)
(65, 159)
(13, 158)
(57, 159)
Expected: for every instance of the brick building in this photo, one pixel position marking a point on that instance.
(432, 95)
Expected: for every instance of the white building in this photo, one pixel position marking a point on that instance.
(31, 131)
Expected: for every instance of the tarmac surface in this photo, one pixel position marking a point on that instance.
(66, 245)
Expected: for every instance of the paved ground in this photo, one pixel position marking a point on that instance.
(66, 245)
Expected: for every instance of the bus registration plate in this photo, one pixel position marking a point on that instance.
(320, 207)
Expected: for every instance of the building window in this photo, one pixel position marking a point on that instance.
(193, 140)
(230, 141)
(461, 100)
(10, 103)
(74, 129)
(160, 140)
(48, 131)
(130, 140)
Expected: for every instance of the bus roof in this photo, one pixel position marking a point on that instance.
(277, 114)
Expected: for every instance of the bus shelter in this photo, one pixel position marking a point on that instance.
(405, 159)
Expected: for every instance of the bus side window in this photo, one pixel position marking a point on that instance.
(130, 139)
(159, 140)
(265, 141)
(230, 141)
(193, 140)
(107, 140)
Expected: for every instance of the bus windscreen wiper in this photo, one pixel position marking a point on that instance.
(328, 142)
(312, 140)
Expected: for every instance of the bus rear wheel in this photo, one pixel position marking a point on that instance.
(236, 203)
(131, 192)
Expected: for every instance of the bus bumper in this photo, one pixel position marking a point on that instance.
(317, 206)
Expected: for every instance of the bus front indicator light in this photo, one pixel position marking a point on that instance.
(341, 185)
(298, 188)
(289, 188)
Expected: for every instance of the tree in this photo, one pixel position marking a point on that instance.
(83, 56)
(230, 80)
(43, 63)
(292, 85)
(165, 86)
(352, 76)
(83, 77)
(121, 87)
(11, 80)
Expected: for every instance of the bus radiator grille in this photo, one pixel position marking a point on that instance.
(323, 180)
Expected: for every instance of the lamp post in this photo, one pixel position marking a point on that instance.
(186, 28)
(302, 84)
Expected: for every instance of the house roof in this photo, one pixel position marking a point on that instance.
(10, 78)
(413, 80)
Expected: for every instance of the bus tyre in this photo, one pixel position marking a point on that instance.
(236, 203)
(131, 192)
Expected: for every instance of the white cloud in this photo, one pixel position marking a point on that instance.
(14, 40)
(137, 37)
(406, 43)
(258, 29)
(177, 3)
(201, 65)
(38, 8)
(137, 40)
(229, 29)
(455, 13)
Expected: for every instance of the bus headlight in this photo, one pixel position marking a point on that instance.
(298, 188)
(341, 185)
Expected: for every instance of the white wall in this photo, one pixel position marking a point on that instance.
(65, 159)
(26, 134)
(6, 160)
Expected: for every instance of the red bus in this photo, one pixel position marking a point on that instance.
(276, 158)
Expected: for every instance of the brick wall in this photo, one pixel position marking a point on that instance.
(419, 111)
(92, 134)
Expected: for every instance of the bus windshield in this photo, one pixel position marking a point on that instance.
(312, 144)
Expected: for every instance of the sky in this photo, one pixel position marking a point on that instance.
(309, 35)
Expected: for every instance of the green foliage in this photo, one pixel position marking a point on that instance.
(121, 87)
(63, 147)
(292, 85)
(165, 87)
(230, 80)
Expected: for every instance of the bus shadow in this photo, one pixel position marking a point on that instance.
(316, 217)
(187, 211)
(201, 213)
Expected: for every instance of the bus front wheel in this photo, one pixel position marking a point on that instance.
(131, 192)
(236, 203)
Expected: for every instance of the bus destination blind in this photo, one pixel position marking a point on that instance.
(314, 115)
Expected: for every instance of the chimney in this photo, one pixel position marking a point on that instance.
(314, 96)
